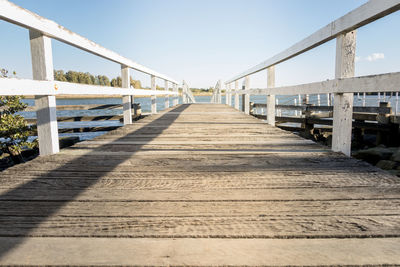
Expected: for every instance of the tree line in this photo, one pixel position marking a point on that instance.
(87, 78)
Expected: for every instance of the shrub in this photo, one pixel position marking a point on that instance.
(14, 130)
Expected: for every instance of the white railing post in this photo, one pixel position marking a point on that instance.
(343, 103)
(220, 92)
(175, 97)
(126, 99)
(166, 97)
(42, 69)
(236, 95)
(271, 98)
(184, 97)
(153, 97)
(227, 94)
(246, 97)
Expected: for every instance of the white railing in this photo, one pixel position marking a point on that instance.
(187, 95)
(343, 86)
(217, 94)
(45, 89)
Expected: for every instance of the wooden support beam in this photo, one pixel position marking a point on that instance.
(166, 97)
(176, 97)
(153, 97)
(343, 103)
(246, 97)
(184, 94)
(271, 98)
(42, 69)
(230, 95)
(236, 95)
(227, 90)
(383, 110)
(219, 92)
(126, 100)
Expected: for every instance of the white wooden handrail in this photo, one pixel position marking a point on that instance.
(13, 86)
(367, 13)
(388, 82)
(41, 31)
(344, 85)
(27, 19)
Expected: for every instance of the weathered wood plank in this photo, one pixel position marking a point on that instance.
(190, 175)
(210, 227)
(200, 252)
(240, 194)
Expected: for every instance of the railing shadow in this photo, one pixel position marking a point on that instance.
(20, 212)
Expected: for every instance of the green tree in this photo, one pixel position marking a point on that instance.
(72, 76)
(116, 82)
(14, 131)
(59, 76)
(135, 83)
(105, 80)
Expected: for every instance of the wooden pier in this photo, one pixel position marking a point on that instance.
(198, 184)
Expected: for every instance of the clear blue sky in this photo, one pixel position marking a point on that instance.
(202, 41)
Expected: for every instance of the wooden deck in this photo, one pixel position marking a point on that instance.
(198, 184)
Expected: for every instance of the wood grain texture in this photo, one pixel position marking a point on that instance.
(182, 175)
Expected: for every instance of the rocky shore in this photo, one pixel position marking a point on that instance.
(386, 158)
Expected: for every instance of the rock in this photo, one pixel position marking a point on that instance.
(329, 141)
(395, 172)
(386, 164)
(396, 156)
(373, 155)
(68, 141)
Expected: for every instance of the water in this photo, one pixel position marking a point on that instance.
(145, 102)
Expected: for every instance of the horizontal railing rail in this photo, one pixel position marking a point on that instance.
(45, 89)
(342, 87)
(13, 86)
(326, 108)
(387, 82)
(365, 14)
(27, 19)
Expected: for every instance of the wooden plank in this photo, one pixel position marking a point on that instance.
(153, 97)
(365, 14)
(166, 98)
(382, 110)
(201, 182)
(13, 86)
(271, 98)
(236, 95)
(382, 207)
(175, 100)
(246, 97)
(42, 69)
(343, 102)
(240, 194)
(126, 99)
(86, 118)
(187, 174)
(192, 251)
(211, 227)
(387, 82)
(82, 107)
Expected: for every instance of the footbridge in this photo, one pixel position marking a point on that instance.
(200, 184)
